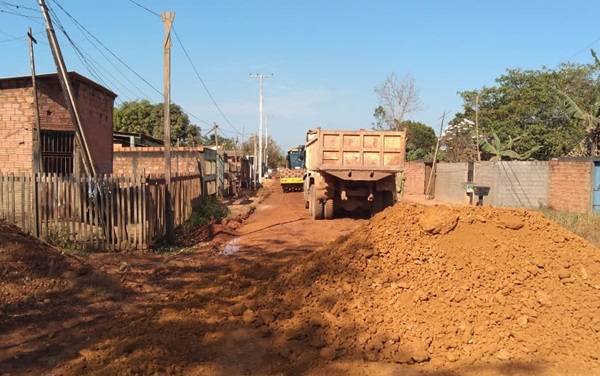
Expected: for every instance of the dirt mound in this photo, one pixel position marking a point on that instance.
(47, 300)
(444, 285)
(27, 265)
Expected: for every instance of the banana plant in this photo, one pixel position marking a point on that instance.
(590, 119)
(500, 150)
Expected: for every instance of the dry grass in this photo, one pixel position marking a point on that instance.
(586, 225)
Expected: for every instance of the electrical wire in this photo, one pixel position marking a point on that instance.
(85, 33)
(116, 57)
(81, 27)
(193, 66)
(143, 7)
(19, 6)
(202, 81)
(13, 38)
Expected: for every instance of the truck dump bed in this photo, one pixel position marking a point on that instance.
(356, 155)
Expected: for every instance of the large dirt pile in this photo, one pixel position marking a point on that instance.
(444, 285)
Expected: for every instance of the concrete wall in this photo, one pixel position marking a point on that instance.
(150, 160)
(512, 184)
(17, 123)
(521, 184)
(571, 185)
(562, 185)
(448, 180)
(484, 175)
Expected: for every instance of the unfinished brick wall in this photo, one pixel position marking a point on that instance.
(17, 123)
(95, 108)
(570, 186)
(17, 118)
(150, 160)
(415, 178)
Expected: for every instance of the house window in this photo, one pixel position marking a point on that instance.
(57, 152)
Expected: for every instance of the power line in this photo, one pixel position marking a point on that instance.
(85, 33)
(143, 7)
(121, 61)
(193, 66)
(19, 7)
(94, 71)
(202, 81)
(585, 48)
(13, 38)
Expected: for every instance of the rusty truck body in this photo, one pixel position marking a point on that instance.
(352, 170)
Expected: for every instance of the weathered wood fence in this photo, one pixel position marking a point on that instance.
(103, 213)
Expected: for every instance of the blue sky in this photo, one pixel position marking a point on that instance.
(326, 57)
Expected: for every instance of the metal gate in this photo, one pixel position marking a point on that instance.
(596, 199)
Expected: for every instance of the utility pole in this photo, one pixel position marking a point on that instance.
(67, 89)
(216, 128)
(267, 116)
(36, 136)
(435, 154)
(260, 125)
(477, 127)
(36, 131)
(254, 165)
(167, 20)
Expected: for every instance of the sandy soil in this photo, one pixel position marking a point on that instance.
(415, 290)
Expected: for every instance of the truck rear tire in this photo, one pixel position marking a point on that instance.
(377, 205)
(329, 207)
(388, 199)
(319, 210)
(316, 207)
(311, 202)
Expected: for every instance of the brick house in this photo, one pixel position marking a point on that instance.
(18, 123)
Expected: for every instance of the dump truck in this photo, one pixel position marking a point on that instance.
(291, 177)
(352, 170)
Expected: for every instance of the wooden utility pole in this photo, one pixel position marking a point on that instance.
(218, 181)
(477, 127)
(82, 148)
(255, 164)
(216, 127)
(36, 109)
(437, 148)
(167, 19)
(36, 136)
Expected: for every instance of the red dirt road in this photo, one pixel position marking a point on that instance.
(435, 291)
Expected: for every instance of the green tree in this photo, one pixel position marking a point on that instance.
(379, 115)
(145, 117)
(524, 102)
(420, 141)
(276, 158)
(420, 138)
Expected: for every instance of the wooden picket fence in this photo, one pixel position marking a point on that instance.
(103, 213)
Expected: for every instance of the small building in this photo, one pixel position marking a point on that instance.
(57, 137)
